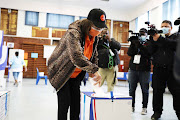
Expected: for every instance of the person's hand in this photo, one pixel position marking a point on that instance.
(96, 77)
(108, 38)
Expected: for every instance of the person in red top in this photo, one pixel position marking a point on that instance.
(75, 55)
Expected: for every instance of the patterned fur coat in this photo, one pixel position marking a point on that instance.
(68, 55)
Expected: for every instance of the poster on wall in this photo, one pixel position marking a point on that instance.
(34, 55)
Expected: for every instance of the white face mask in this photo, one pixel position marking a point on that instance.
(165, 30)
(143, 38)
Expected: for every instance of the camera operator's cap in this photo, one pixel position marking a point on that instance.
(98, 17)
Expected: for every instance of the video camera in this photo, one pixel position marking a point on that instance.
(152, 29)
(135, 37)
(177, 22)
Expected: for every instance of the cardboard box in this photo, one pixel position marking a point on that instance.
(105, 108)
(4, 104)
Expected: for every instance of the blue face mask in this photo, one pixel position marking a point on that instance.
(143, 38)
(165, 30)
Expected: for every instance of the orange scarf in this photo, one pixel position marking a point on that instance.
(88, 49)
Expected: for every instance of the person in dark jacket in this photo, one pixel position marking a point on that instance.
(139, 68)
(163, 52)
(108, 58)
(177, 61)
(177, 56)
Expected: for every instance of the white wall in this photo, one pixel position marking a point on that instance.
(26, 30)
(155, 18)
(149, 5)
(132, 25)
(42, 19)
(22, 29)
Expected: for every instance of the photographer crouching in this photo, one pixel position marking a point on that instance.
(163, 47)
(139, 67)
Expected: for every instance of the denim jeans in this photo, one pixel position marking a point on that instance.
(143, 78)
(16, 74)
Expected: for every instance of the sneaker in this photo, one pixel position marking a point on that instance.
(17, 84)
(155, 116)
(133, 109)
(144, 111)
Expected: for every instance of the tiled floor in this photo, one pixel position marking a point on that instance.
(38, 102)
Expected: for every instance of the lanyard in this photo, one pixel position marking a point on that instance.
(110, 64)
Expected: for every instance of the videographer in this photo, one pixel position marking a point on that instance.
(139, 68)
(162, 48)
(177, 57)
(108, 58)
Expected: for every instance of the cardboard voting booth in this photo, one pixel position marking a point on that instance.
(105, 108)
(4, 104)
(3, 59)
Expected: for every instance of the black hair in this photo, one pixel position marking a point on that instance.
(17, 53)
(167, 21)
(144, 30)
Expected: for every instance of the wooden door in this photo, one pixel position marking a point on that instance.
(34, 63)
(120, 31)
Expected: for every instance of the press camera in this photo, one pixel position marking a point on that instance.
(177, 22)
(152, 29)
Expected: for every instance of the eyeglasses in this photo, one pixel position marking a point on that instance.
(96, 28)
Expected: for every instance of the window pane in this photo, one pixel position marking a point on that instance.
(136, 24)
(59, 21)
(65, 21)
(173, 10)
(141, 21)
(165, 10)
(31, 18)
(82, 17)
(53, 20)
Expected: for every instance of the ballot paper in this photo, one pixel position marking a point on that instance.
(100, 93)
(98, 90)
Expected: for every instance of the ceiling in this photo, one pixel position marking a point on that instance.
(124, 10)
(125, 5)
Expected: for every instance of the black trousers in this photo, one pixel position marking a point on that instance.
(69, 96)
(163, 77)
